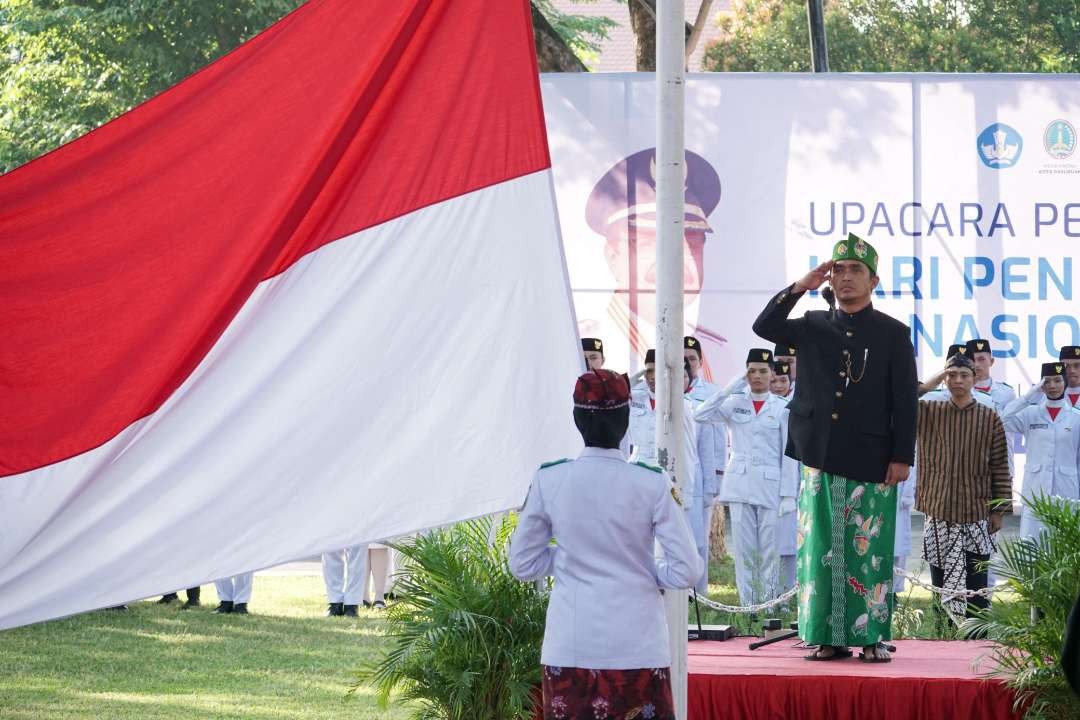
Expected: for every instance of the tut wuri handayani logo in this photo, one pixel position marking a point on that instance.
(1059, 139)
(999, 146)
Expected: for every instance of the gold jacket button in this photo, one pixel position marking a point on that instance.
(846, 353)
(843, 374)
(836, 416)
(839, 394)
(850, 334)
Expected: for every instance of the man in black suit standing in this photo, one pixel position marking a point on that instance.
(852, 425)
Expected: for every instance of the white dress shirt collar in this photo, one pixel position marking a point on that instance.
(611, 453)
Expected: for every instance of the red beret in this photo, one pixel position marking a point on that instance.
(602, 390)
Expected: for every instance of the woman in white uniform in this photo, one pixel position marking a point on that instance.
(1051, 430)
(605, 651)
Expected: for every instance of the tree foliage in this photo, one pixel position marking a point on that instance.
(67, 66)
(903, 36)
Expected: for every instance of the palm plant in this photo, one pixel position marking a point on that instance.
(1044, 575)
(464, 634)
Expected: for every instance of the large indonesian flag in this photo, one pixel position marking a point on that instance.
(311, 296)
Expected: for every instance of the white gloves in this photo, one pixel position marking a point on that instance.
(735, 383)
(1035, 391)
(787, 505)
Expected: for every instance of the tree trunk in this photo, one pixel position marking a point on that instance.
(552, 52)
(698, 27)
(643, 23)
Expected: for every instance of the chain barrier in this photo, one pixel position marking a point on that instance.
(946, 593)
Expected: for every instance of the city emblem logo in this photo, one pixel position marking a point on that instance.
(860, 249)
(765, 356)
(979, 345)
(1059, 139)
(963, 350)
(999, 146)
(596, 344)
(1057, 369)
(691, 342)
(841, 249)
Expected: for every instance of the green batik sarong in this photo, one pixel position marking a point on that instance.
(846, 535)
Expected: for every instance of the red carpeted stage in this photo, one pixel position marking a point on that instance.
(927, 679)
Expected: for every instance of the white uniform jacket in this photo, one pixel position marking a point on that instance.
(1053, 451)
(606, 611)
(758, 473)
(712, 442)
(642, 432)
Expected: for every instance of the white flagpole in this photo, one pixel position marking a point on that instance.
(670, 198)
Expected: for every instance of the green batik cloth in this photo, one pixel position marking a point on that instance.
(846, 535)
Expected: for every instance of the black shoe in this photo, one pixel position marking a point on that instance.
(367, 603)
(120, 608)
(166, 599)
(240, 609)
(335, 610)
(349, 611)
(378, 605)
(224, 607)
(190, 603)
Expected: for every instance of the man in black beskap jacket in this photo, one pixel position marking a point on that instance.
(852, 425)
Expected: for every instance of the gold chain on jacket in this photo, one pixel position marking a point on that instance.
(850, 373)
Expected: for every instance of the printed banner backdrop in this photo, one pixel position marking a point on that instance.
(310, 297)
(968, 186)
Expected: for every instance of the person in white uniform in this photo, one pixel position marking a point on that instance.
(642, 433)
(234, 593)
(1070, 357)
(343, 573)
(1051, 430)
(376, 581)
(786, 354)
(787, 526)
(592, 349)
(760, 482)
(594, 524)
(712, 456)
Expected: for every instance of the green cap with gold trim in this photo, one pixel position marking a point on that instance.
(855, 248)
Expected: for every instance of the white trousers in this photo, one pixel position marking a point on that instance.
(699, 514)
(235, 589)
(757, 564)
(788, 566)
(344, 572)
(379, 561)
(899, 581)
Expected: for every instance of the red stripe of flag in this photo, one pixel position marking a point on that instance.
(126, 253)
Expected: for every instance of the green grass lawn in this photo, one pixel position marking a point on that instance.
(157, 662)
(285, 660)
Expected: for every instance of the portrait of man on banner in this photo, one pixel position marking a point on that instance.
(622, 209)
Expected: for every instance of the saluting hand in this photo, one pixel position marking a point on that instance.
(897, 473)
(816, 277)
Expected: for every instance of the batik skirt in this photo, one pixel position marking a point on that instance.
(582, 694)
(846, 534)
